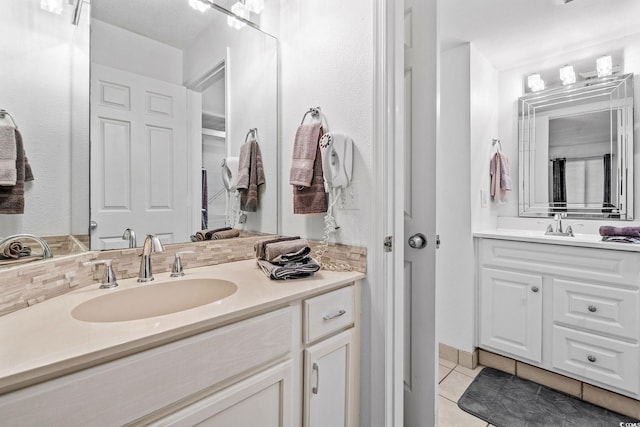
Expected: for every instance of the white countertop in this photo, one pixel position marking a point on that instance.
(44, 341)
(582, 240)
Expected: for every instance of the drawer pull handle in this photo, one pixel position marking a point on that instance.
(316, 369)
(333, 316)
(591, 358)
(592, 308)
(535, 289)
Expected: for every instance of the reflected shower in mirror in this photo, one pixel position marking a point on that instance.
(174, 91)
(576, 150)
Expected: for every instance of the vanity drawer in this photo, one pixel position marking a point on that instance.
(592, 357)
(599, 308)
(328, 313)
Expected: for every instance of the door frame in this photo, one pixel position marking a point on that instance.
(387, 268)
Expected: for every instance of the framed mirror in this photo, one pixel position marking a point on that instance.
(174, 94)
(576, 150)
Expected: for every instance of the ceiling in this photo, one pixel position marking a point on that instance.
(512, 33)
(172, 22)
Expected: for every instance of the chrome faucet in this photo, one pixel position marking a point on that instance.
(151, 244)
(558, 227)
(46, 250)
(130, 235)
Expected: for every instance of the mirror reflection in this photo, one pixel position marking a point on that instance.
(176, 93)
(576, 150)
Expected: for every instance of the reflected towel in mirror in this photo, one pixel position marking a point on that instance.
(8, 156)
(12, 198)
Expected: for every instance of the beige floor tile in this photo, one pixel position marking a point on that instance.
(447, 363)
(469, 372)
(454, 385)
(449, 415)
(443, 372)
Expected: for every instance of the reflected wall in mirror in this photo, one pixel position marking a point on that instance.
(576, 150)
(44, 85)
(174, 92)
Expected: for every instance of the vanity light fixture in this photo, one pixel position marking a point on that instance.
(604, 66)
(198, 5)
(53, 6)
(535, 82)
(567, 75)
(238, 9)
(255, 6)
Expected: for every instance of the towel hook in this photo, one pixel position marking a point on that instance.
(315, 113)
(4, 113)
(495, 141)
(252, 132)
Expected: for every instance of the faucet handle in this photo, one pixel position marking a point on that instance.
(109, 279)
(177, 270)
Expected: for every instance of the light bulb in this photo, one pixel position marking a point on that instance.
(53, 6)
(198, 5)
(240, 10)
(535, 83)
(567, 75)
(604, 66)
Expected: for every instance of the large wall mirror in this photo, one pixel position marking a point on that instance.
(576, 150)
(163, 92)
(174, 94)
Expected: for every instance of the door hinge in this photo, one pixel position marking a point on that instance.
(437, 241)
(388, 244)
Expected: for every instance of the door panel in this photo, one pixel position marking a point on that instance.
(138, 158)
(421, 107)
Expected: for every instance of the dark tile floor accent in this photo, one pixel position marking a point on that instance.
(505, 400)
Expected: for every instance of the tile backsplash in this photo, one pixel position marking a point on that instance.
(29, 284)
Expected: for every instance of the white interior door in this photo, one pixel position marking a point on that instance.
(421, 109)
(138, 158)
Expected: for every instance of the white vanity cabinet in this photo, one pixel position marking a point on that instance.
(569, 309)
(249, 373)
(331, 361)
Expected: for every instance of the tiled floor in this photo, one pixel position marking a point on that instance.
(454, 380)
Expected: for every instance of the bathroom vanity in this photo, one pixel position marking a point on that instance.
(568, 305)
(273, 353)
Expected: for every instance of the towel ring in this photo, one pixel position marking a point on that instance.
(254, 132)
(316, 113)
(4, 113)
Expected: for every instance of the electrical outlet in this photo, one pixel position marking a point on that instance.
(350, 197)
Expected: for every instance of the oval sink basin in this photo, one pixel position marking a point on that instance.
(154, 299)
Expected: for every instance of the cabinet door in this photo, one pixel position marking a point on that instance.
(511, 313)
(329, 382)
(261, 400)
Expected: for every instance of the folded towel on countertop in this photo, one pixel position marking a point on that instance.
(12, 197)
(14, 250)
(621, 239)
(289, 271)
(206, 234)
(225, 234)
(610, 230)
(250, 175)
(302, 255)
(8, 156)
(304, 154)
(276, 249)
(260, 246)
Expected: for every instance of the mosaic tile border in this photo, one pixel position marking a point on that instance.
(29, 284)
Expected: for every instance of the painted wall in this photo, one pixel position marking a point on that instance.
(468, 122)
(327, 60)
(45, 87)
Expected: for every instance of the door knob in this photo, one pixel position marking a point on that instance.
(418, 241)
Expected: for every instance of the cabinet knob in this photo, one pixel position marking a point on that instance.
(591, 358)
(535, 289)
(592, 308)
